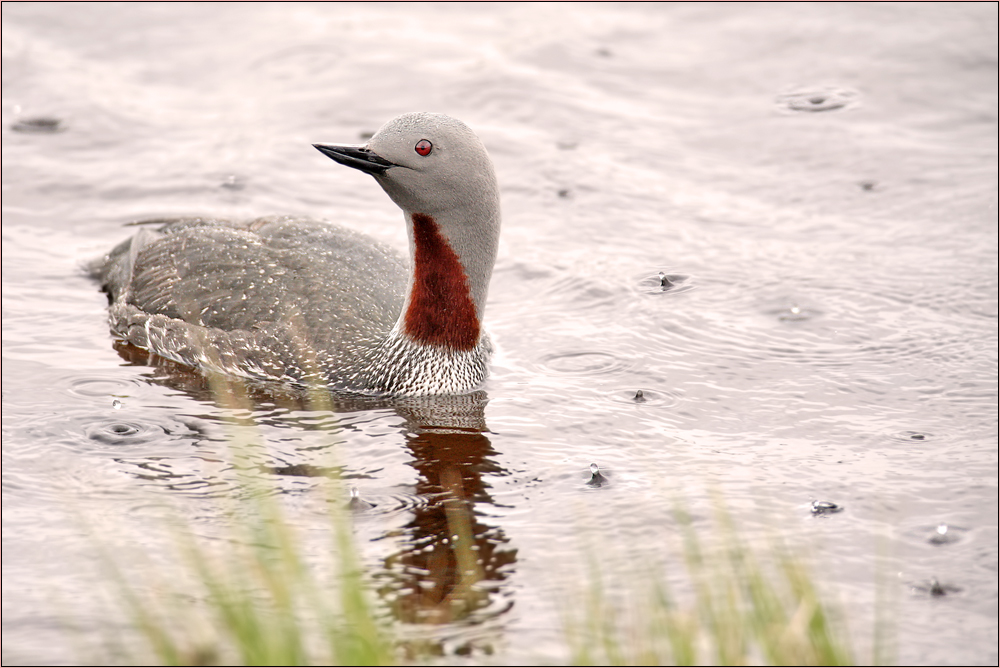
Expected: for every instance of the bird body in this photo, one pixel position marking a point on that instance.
(305, 301)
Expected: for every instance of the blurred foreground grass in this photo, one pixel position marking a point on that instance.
(257, 600)
(745, 607)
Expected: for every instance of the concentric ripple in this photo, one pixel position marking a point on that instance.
(583, 362)
(664, 282)
(366, 504)
(121, 432)
(908, 436)
(101, 387)
(645, 397)
(828, 98)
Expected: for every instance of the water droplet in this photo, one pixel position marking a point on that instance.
(795, 313)
(824, 99)
(116, 404)
(665, 281)
(597, 479)
(639, 398)
(661, 282)
(945, 534)
(233, 182)
(825, 508)
(357, 503)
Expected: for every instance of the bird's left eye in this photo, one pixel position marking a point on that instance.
(423, 147)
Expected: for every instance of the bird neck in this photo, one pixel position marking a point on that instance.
(449, 279)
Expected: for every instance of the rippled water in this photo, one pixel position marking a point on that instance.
(817, 184)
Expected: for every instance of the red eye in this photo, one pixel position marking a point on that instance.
(423, 147)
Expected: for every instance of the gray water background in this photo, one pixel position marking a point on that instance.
(819, 179)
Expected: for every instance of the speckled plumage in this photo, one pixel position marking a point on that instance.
(304, 301)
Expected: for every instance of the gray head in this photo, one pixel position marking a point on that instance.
(434, 165)
(445, 164)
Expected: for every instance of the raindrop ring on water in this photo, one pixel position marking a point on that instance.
(583, 362)
(818, 99)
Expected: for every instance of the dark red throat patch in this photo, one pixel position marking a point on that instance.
(441, 310)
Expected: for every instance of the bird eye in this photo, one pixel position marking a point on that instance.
(423, 147)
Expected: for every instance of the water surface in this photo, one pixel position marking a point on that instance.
(817, 183)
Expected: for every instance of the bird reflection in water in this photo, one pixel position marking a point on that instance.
(451, 570)
(455, 562)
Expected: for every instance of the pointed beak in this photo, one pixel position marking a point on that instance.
(357, 157)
